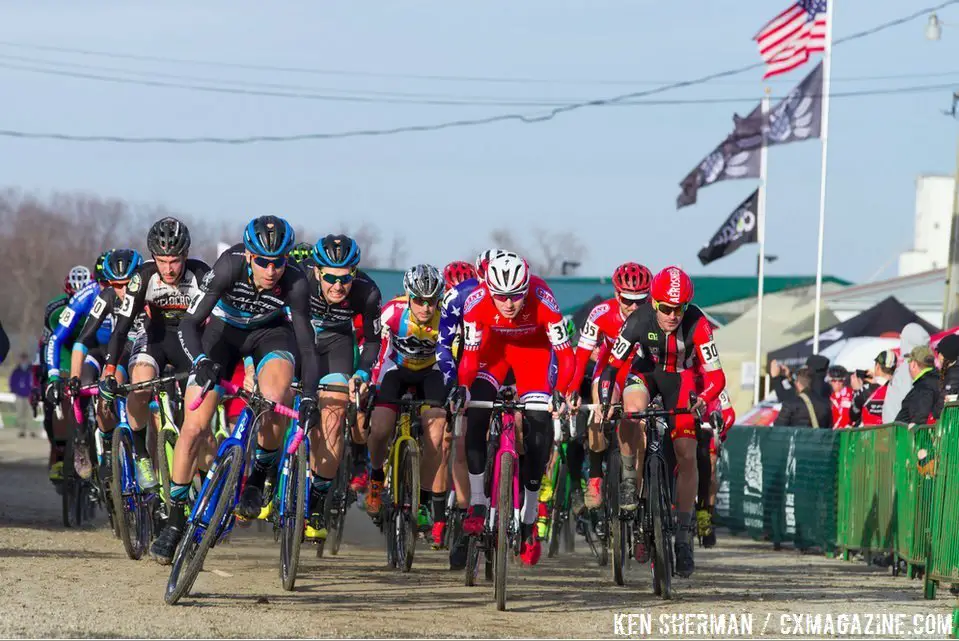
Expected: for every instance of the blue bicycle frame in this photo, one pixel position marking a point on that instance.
(128, 476)
(285, 466)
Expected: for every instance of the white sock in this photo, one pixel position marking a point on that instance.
(477, 490)
(530, 507)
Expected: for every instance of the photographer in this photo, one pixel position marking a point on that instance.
(807, 407)
(869, 390)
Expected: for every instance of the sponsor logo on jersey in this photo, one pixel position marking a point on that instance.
(547, 297)
(653, 336)
(474, 299)
(207, 281)
(134, 285)
(598, 311)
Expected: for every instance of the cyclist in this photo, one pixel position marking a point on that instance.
(410, 328)
(673, 338)
(164, 288)
(721, 417)
(602, 326)
(245, 296)
(512, 322)
(77, 279)
(89, 350)
(339, 292)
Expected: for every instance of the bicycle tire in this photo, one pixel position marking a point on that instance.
(187, 562)
(70, 496)
(340, 493)
(166, 443)
(504, 513)
(291, 536)
(408, 505)
(568, 533)
(472, 560)
(617, 527)
(556, 521)
(134, 532)
(662, 566)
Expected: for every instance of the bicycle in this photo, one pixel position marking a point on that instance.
(135, 507)
(652, 521)
(501, 528)
(82, 490)
(399, 518)
(341, 496)
(212, 516)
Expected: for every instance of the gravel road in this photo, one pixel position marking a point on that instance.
(63, 583)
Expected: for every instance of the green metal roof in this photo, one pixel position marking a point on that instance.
(572, 292)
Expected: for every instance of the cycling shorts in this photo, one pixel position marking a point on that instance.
(621, 375)
(427, 383)
(334, 353)
(674, 388)
(158, 347)
(529, 363)
(227, 345)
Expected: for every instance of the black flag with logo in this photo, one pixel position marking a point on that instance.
(739, 229)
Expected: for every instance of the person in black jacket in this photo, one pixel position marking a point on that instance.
(807, 407)
(921, 400)
(948, 350)
(781, 383)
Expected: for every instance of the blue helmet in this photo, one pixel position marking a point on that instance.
(119, 264)
(336, 251)
(268, 236)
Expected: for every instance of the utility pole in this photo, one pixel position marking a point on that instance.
(950, 306)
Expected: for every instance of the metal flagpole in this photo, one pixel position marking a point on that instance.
(761, 233)
(826, 73)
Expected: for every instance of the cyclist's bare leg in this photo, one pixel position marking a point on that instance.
(327, 451)
(106, 420)
(713, 481)
(632, 434)
(138, 403)
(381, 427)
(433, 471)
(461, 477)
(687, 476)
(274, 378)
(195, 435)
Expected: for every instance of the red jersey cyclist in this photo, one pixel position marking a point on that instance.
(631, 284)
(512, 321)
(673, 341)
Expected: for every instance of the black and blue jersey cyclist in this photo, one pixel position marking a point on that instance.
(245, 296)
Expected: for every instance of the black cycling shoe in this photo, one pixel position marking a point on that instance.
(709, 539)
(164, 547)
(251, 502)
(684, 553)
(627, 493)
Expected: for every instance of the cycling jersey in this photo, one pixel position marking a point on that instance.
(405, 342)
(524, 343)
(227, 293)
(690, 347)
(600, 328)
(333, 321)
(66, 326)
(841, 405)
(164, 304)
(868, 403)
(451, 327)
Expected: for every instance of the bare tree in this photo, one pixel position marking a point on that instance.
(548, 252)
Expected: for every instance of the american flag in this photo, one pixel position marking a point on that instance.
(787, 40)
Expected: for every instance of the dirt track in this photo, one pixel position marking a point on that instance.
(55, 582)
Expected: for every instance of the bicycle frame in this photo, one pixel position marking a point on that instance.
(506, 447)
(283, 477)
(403, 433)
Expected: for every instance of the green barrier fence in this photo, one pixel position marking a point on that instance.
(867, 493)
(913, 481)
(943, 462)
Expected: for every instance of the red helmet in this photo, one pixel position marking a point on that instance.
(672, 286)
(632, 278)
(456, 272)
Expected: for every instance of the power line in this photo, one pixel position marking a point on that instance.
(519, 117)
(526, 119)
(412, 76)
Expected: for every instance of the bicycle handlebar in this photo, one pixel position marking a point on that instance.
(163, 380)
(89, 390)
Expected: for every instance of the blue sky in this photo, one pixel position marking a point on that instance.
(608, 174)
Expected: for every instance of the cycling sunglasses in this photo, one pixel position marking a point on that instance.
(630, 302)
(332, 279)
(671, 310)
(278, 262)
(425, 302)
(513, 297)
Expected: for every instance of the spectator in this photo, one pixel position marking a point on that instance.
(807, 407)
(781, 377)
(948, 350)
(840, 396)
(911, 337)
(921, 400)
(21, 384)
(870, 390)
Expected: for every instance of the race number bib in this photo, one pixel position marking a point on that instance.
(710, 355)
(471, 335)
(66, 318)
(558, 334)
(196, 302)
(126, 306)
(98, 306)
(621, 348)
(590, 332)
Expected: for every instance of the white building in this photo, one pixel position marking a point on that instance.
(930, 249)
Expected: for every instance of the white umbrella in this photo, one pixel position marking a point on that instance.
(859, 352)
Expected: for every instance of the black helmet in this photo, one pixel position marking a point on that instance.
(168, 237)
(121, 263)
(336, 251)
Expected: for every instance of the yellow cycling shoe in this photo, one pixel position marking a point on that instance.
(546, 490)
(315, 528)
(265, 511)
(56, 472)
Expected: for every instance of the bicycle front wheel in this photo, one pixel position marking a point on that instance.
(133, 520)
(339, 498)
(406, 505)
(293, 518)
(662, 552)
(504, 514)
(618, 528)
(216, 499)
(557, 513)
(71, 487)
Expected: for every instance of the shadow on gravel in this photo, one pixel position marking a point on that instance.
(59, 554)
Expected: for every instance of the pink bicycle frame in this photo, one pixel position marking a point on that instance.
(507, 447)
(91, 390)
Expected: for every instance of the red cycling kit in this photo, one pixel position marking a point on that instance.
(602, 326)
(493, 344)
(668, 363)
(841, 404)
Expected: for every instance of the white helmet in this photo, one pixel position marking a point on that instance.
(78, 278)
(483, 260)
(507, 273)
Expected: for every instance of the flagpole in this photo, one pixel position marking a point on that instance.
(826, 71)
(761, 232)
